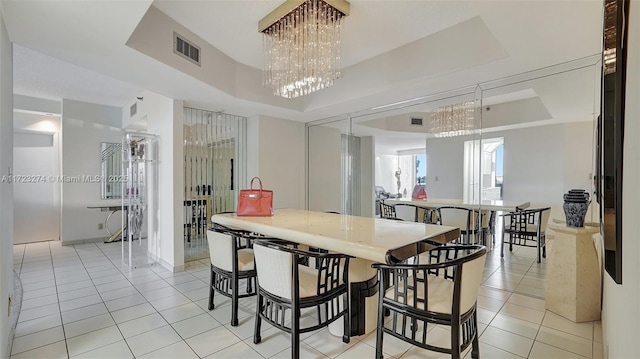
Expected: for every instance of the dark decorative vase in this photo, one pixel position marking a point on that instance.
(576, 203)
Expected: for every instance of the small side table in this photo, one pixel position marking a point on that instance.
(574, 274)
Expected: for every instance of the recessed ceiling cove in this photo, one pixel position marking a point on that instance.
(465, 45)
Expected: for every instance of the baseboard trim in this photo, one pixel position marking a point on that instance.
(82, 241)
(170, 267)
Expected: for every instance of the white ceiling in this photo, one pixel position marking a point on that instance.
(380, 38)
(42, 76)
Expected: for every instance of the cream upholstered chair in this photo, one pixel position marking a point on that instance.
(463, 218)
(231, 263)
(526, 228)
(287, 287)
(406, 212)
(443, 291)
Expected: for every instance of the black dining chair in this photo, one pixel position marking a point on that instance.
(442, 291)
(286, 286)
(407, 212)
(526, 228)
(231, 262)
(387, 211)
(464, 218)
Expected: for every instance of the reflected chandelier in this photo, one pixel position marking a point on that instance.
(301, 40)
(453, 120)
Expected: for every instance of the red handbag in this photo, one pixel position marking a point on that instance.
(419, 192)
(255, 202)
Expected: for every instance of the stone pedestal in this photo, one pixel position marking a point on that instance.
(573, 274)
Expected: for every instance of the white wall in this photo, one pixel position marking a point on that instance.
(386, 165)
(325, 176)
(164, 118)
(35, 154)
(37, 161)
(621, 308)
(445, 166)
(6, 189)
(279, 147)
(540, 163)
(84, 126)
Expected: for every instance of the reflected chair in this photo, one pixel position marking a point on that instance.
(442, 291)
(463, 218)
(231, 262)
(286, 288)
(406, 212)
(526, 228)
(387, 211)
(487, 226)
(430, 216)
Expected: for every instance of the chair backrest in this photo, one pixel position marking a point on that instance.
(461, 264)
(545, 213)
(523, 220)
(486, 218)
(470, 282)
(456, 217)
(387, 211)
(406, 212)
(274, 269)
(221, 249)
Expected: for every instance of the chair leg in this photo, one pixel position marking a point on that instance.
(249, 285)
(502, 245)
(538, 249)
(256, 331)
(386, 284)
(382, 312)
(295, 331)
(379, 330)
(234, 301)
(455, 340)
(544, 246)
(511, 242)
(211, 290)
(475, 345)
(346, 333)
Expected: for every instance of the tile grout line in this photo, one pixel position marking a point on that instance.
(53, 270)
(156, 311)
(108, 311)
(170, 285)
(58, 302)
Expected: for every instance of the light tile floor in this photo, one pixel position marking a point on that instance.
(80, 303)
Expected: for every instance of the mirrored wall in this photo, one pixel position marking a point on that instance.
(517, 142)
(213, 158)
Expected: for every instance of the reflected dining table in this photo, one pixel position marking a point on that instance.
(489, 205)
(368, 240)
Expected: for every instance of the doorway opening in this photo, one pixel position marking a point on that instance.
(484, 181)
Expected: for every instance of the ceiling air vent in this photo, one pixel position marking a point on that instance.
(416, 121)
(186, 49)
(133, 109)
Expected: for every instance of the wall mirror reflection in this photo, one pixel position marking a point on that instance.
(528, 139)
(110, 170)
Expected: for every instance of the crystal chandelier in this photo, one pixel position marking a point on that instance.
(301, 40)
(453, 120)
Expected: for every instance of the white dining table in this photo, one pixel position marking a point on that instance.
(491, 205)
(369, 240)
(374, 239)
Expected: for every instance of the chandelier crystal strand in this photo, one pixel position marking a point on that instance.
(453, 120)
(302, 50)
